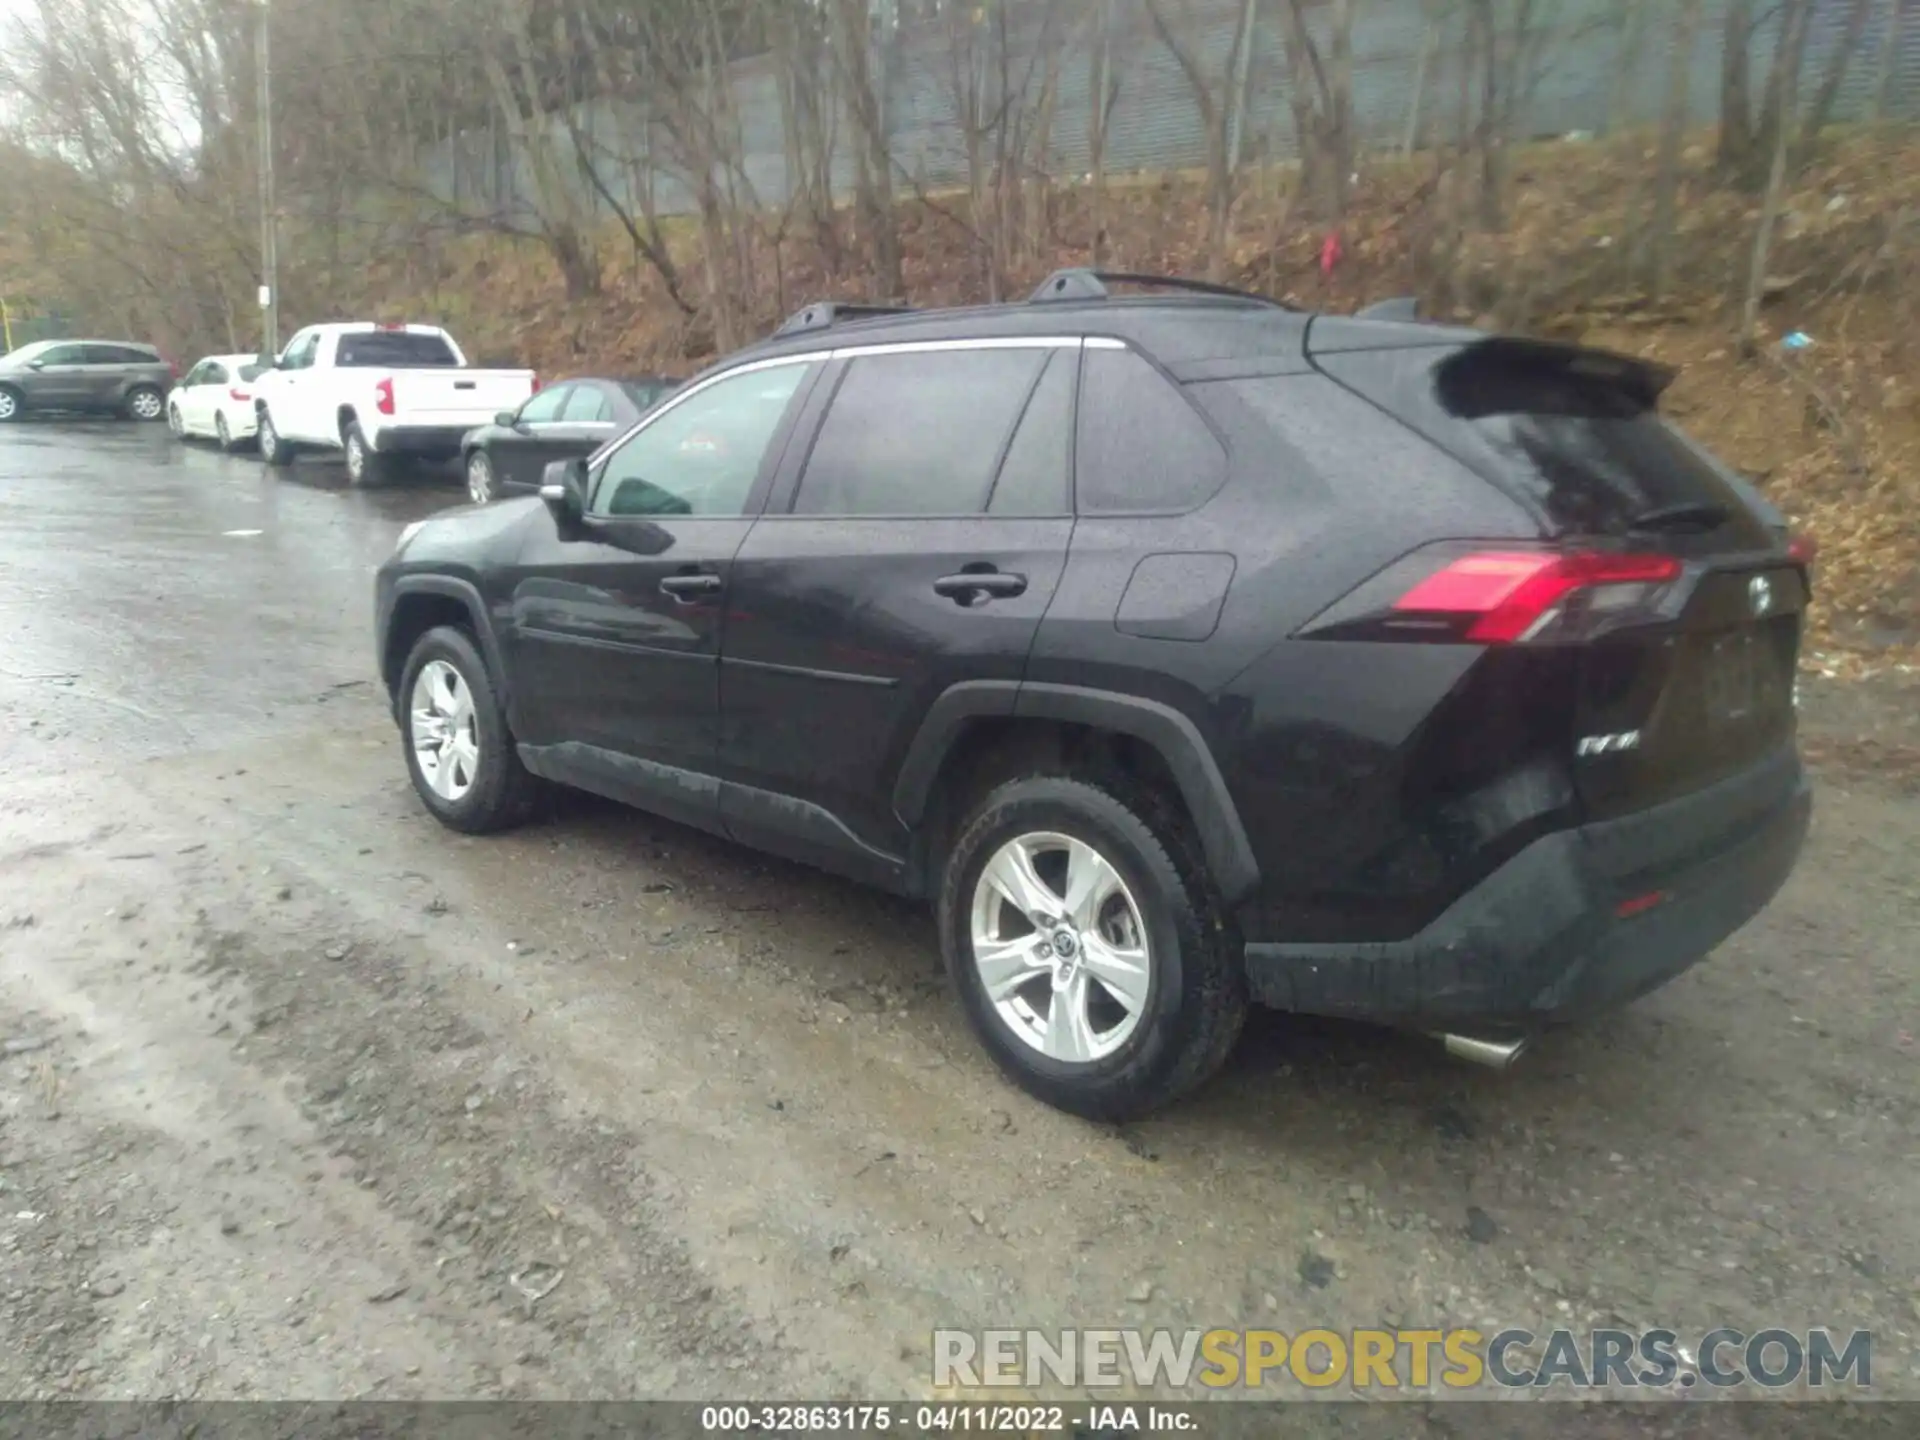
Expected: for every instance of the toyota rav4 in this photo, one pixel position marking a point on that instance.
(1184, 650)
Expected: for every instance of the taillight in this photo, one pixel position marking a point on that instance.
(1802, 549)
(1462, 594)
(383, 396)
(239, 395)
(1506, 597)
(536, 384)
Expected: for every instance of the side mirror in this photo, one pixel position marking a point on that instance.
(563, 485)
(507, 419)
(36, 364)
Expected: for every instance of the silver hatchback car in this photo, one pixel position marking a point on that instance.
(113, 377)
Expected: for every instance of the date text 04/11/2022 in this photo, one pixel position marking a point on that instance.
(948, 1418)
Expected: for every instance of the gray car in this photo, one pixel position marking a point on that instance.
(103, 376)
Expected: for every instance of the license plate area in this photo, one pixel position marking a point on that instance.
(1740, 680)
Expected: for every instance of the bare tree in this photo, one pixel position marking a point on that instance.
(1103, 93)
(851, 26)
(1820, 108)
(1783, 84)
(1178, 23)
(1656, 242)
(1320, 93)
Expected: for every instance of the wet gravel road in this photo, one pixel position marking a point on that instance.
(303, 1096)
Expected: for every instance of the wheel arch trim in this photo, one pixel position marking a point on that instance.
(449, 587)
(1173, 735)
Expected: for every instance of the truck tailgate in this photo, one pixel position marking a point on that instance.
(455, 397)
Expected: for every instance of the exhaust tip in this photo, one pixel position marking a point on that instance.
(1494, 1054)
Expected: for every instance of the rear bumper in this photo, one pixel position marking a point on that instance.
(429, 442)
(1541, 940)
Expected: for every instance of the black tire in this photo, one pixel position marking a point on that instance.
(13, 404)
(503, 792)
(275, 451)
(145, 397)
(365, 465)
(223, 434)
(1197, 998)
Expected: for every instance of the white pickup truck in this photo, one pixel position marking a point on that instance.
(380, 394)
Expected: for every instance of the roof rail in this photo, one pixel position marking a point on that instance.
(828, 313)
(1400, 307)
(1083, 284)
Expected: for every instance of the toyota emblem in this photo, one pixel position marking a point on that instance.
(1760, 595)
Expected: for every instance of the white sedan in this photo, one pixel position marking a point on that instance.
(215, 400)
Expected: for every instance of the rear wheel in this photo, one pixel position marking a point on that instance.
(480, 483)
(222, 431)
(365, 465)
(1094, 959)
(144, 403)
(460, 751)
(10, 406)
(275, 451)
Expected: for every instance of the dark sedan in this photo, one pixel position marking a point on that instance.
(572, 418)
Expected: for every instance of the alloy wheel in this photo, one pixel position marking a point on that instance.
(479, 478)
(444, 730)
(1061, 947)
(9, 407)
(223, 432)
(146, 405)
(269, 438)
(356, 457)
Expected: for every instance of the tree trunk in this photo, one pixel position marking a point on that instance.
(1100, 101)
(1627, 77)
(1783, 83)
(1887, 72)
(1429, 42)
(1657, 248)
(1820, 109)
(1736, 89)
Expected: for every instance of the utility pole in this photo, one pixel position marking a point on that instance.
(269, 230)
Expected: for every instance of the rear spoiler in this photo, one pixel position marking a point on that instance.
(1475, 380)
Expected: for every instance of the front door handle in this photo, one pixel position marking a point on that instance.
(688, 587)
(972, 586)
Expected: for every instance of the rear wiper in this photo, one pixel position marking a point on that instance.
(1689, 515)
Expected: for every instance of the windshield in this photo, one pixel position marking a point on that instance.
(26, 352)
(396, 350)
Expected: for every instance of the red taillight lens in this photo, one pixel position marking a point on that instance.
(383, 396)
(241, 395)
(1802, 549)
(536, 384)
(1507, 596)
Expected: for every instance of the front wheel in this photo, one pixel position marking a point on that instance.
(10, 406)
(1095, 961)
(222, 431)
(144, 403)
(275, 451)
(460, 751)
(480, 484)
(175, 423)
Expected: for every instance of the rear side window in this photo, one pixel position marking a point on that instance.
(1142, 447)
(252, 372)
(396, 350)
(918, 433)
(1590, 451)
(120, 355)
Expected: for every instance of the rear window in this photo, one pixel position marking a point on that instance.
(1590, 451)
(396, 350)
(252, 372)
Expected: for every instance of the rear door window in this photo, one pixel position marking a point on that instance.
(395, 350)
(920, 433)
(1143, 449)
(1036, 478)
(587, 406)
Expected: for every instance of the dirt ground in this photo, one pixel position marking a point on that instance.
(302, 1096)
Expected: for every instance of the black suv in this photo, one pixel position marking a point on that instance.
(1183, 649)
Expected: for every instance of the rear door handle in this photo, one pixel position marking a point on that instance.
(972, 585)
(686, 587)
